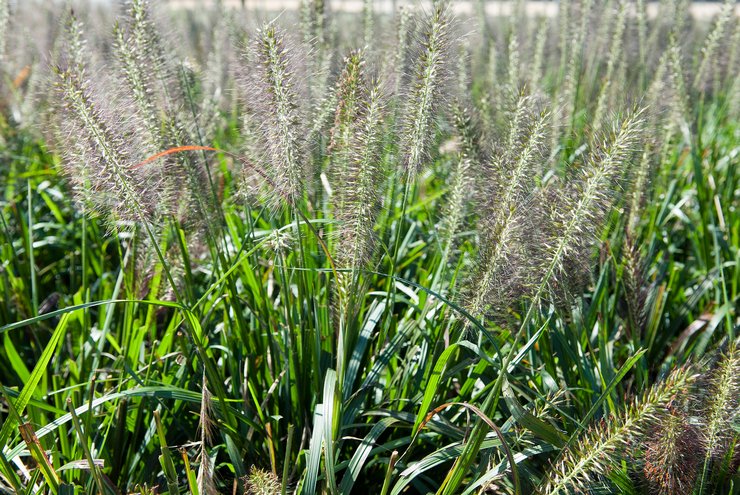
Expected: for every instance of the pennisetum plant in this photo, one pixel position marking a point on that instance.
(163, 98)
(358, 175)
(474, 294)
(583, 206)
(508, 215)
(272, 103)
(708, 74)
(357, 169)
(720, 410)
(606, 94)
(600, 448)
(467, 168)
(98, 157)
(575, 221)
(425, 94)
(405, 25)
(672, 453)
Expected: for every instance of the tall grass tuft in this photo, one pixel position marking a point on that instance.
(599, 449)
(163, 96)
(582, 207)
(412, 301)
(427, 89)
(358, 172)
(272, 102)
(100, 157)
(509, 214)
(672, 454)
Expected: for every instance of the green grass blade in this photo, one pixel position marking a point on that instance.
(38, 371)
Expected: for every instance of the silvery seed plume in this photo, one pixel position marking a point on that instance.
(599, 40)
(734, 99)
(157, 88)
(368, 23)
(601, 447)
(670, 22)
(637, 290)
(313, 21)
(564, 20)
(708, 74)
(319, 58)
(513, 70)
(733, 68)
(668, 103)
(667, 99)
(571, 67)
(506, 213)
(667, 94)
(99, 152)
(426, 92)
(493, 65)
(217, 83)
(455, 210)
(155, 60)
(640, 188)
(272, 103)
(581, 207)
(539, 58)
(467, 162)
(672, 454)
(405, 25)
(467, 168)
(721, 405)
(641, 22)
(357, 139)
(139, 85)
(615, 54)
(733, 59)
(323, 111)
(365, 179)
(464, 79)
(350, 95)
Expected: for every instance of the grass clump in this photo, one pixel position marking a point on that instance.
(502, 260)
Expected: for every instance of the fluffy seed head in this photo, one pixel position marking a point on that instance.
(261, 482)
(272, 105)
(426, 92)
(357, 170)
(580, 208)
(100, 150)
(602, 446)
(672, 455)
(722, 403)
(508, 217)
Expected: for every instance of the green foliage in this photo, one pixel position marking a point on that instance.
(241, 260)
